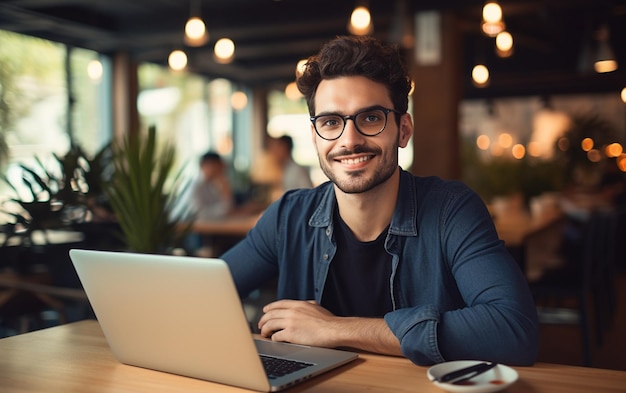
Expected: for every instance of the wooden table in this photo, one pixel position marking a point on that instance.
(217, 236)
(515, 227)
(237, 225)
(524, 234)
(512, 228)
(76, 358)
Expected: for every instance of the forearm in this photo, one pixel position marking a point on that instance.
(307, 323)
(486, 332)
(367, 334)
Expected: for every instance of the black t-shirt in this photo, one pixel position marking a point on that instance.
(358, 277)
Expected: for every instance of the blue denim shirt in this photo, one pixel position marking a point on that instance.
(456, 291)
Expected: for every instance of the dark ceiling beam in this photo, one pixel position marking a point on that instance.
(247, 52)
(270, 37)
(547, 84)
(21, 20)
(262, 74)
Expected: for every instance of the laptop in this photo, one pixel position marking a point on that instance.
(182, 315)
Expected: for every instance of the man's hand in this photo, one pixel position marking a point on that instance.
(298, 321)
(308, 323)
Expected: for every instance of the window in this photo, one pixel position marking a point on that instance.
(36, 118)
(199, 114)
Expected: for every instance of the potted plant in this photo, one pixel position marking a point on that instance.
(143, 193)
(57, 197)
(54, 196)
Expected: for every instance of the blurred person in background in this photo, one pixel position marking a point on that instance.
(294, 175)
(209, 198)
(212, 195)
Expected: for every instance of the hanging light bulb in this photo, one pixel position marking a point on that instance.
(480, 75)
(195, 29)
(177, 60)
(492, 23)
(224, 50)
(360, 21)
(605, 57)
(492, 12)
(504, 44)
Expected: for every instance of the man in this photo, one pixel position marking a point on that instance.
(209, 198)
(377, 259)
(212, 194)
(293, 175)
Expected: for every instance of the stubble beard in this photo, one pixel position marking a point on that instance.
(356, 181)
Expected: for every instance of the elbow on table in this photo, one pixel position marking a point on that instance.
(523, 353)
(527, 348)
(520, 349)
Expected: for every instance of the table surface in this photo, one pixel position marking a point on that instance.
(515, 227)
(237, 225)
(75, 358)
(512, 228)
(49, 236)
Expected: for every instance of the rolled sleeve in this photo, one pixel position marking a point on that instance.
(458, 292)
(416, 329)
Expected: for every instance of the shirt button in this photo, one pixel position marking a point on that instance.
(327, 231)
(325, 256)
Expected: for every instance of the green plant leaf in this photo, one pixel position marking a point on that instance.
(143, 192)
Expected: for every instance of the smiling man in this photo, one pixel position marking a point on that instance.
(378, 259)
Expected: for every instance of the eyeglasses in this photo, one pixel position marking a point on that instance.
(368, 122)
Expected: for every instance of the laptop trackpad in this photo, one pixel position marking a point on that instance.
(275, 348)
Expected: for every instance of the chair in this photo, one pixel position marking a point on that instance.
(583, 288)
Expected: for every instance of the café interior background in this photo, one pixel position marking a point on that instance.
(57, 88)
(82, 73)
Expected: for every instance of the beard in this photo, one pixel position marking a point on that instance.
(355, 182)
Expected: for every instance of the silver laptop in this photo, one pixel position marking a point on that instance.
(182, 315)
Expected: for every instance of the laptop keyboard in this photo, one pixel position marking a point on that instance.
(277, 367)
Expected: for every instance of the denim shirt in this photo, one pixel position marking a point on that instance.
(456, 291)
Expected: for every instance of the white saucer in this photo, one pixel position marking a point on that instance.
(498, 378)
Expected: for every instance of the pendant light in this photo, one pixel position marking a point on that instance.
(224, 51)
(480, 75)
(605, 57)
(361, 20)
(504, 44)
(177, 60)
(492, 23)
(195, 29)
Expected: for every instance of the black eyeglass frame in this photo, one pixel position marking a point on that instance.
(345, 119)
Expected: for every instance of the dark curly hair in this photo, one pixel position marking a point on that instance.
(357, 56)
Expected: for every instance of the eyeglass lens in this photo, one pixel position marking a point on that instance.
(370, 123)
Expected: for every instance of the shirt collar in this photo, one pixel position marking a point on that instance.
(403, 222)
